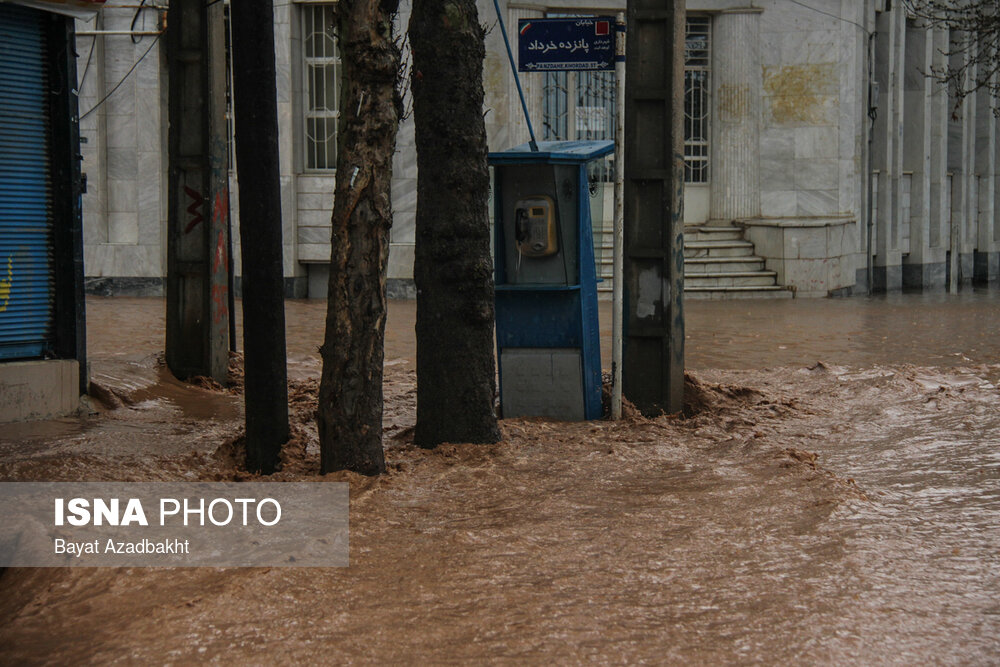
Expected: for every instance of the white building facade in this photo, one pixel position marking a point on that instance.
(777, 132)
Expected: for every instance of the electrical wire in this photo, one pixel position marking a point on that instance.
(825, 13)
(135, 18)
(119, 84)
(86, 68)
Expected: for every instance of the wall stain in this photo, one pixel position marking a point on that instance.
(733, 101)
(796, 93)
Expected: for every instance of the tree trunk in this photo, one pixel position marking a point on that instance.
(456, 371)
(255, 103)
(350, 396)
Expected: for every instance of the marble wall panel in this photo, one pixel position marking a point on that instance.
(817, 174)
(816, 142)
(778, 204)
(777, 174)
(817, 203)
(123, 228)
(123, 196)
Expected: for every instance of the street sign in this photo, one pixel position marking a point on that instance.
(561, 45)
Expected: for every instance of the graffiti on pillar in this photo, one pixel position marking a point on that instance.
(220, 211)
(220, 291)
(220, 299)
(194, 209)
(220, 261)
(6, 283)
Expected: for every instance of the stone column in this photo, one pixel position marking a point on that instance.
(985, 260)
(961, 154)
(940, 212)
(923, 153)
(94, 130)
(736, 75)
(887, 149)
(995, 256)
(286, 54)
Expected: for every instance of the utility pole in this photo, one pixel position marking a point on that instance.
(618, 247)
(654, 188)
(256, 112)
(198, 210)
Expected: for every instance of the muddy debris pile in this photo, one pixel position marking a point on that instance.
(714, 415)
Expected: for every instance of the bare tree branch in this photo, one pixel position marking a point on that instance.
(974, 27)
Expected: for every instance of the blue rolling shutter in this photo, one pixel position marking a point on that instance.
(26, 266)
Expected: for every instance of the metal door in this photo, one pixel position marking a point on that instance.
(26, 265)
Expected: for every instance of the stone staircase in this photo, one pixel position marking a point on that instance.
(718, 264)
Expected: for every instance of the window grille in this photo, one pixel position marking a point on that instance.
(321, 83)
(697, 63)
(580, 106)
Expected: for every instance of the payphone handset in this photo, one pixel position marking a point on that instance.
(535, 226)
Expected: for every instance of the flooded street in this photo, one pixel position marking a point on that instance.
(833, 497)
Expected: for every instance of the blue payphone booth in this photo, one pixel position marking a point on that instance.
(548, 337)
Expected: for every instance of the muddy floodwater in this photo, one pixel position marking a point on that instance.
(831, 497)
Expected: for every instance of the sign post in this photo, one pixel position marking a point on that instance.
(618, 250)
(561, 45)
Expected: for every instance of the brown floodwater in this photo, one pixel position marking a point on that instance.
(841, 512)
(938, 329)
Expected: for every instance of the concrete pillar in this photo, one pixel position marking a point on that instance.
(996, 192)
(961, 153)
(94, 130)
(653, 364)
(916, 152)
(985, 257)
(736, 74)
(940, 110)
(923, 267)
(197, 318)
(887, 149)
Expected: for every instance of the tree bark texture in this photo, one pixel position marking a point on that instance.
(255, 103)
(456, 370)
(350, 396)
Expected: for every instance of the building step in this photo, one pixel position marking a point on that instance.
(703, 265)
(718, 264)
(731, 279)
(603, 240)
(773, 292)
(700, 265)
(718, 293)
(696, 249)
(709, 233)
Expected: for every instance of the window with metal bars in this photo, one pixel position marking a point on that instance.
(579, 105)
(321, 87)
(697, 71)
